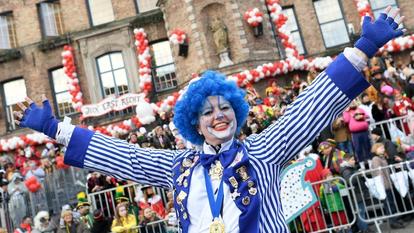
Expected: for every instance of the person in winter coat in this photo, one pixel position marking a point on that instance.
(390, 148)
(331, 199)
(25, 226)
(358, 124)
(348, 168)
(379, 162)
(123, 222)
(331, 156)
(43, 223)
(71, 225)
(100, 224)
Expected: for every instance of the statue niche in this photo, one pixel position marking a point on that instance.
(220, 36)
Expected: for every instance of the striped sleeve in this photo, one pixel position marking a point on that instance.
(314, 109)
(122, 160)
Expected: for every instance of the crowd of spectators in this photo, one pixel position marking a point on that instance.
(349, 145)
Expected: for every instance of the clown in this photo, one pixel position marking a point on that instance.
(227, 185)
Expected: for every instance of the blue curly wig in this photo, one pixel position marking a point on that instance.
(187, 109)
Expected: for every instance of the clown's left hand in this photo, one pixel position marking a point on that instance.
(376, 34)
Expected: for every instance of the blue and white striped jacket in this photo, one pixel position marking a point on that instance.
(314, 109)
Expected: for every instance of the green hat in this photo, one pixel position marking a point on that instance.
(120, 195)
(82, 200)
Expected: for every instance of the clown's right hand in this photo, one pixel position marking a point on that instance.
(37, 118)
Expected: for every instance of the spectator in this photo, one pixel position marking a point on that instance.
(123, 222)
(70, 225)
(356, 119)
(390, 148)
(148, 217)
(25, 226)
(379, 160)
(342, 135)
(381, 112)
(83, 208)
(402, 106)
(348, 168)
(132, 138)
(331, 198)
(152, 200)
(160, 140)
(35, 170)
(409, 88)
(331, 156)
(366, 105)
(18, 199)
(95, 182)
(251, 95)
(101, 224)
(43, 223)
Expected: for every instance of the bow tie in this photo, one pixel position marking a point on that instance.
(225, 157)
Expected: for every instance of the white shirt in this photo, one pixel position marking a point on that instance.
(198, 205)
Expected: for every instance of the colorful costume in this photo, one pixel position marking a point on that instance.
(248, 173)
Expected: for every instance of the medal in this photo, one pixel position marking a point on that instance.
(216, 171)
(217, 226)
(242, 171)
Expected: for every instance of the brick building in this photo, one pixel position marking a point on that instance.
(33, 33)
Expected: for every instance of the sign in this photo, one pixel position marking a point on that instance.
(112, 104)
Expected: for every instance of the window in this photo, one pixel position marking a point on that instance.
(292, 26)
(331, 22)
(379, 6)
(163, 71)
(51, 18)
(145, 5)
(7, 31)
(100, 11)
(112, 74)
(63, 99)
(14, 92)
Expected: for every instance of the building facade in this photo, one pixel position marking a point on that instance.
(33, 33)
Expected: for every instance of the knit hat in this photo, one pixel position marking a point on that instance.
(376, 131)
(120, 195)
(325, 144)
(326, 172)
(82, 200)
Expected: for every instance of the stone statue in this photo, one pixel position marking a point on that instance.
(220, 35)
(221, 40)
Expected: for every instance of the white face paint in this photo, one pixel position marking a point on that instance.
(217, 120)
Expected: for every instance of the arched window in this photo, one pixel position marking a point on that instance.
(112, 74)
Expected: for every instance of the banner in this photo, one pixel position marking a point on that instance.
(112, 104)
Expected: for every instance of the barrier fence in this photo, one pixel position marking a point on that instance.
(340, 204)
(384, 193)
(58, 188)
(105, 199)
(398, 129)
(333, 211)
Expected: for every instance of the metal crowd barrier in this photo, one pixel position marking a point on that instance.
(105, 199)
(333, 211)
(5, 221)
(404, 124)
(160, 226)
(377, 203)
(58, 188)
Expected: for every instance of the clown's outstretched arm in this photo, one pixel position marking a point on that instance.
(330, 93)
(95, 151)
